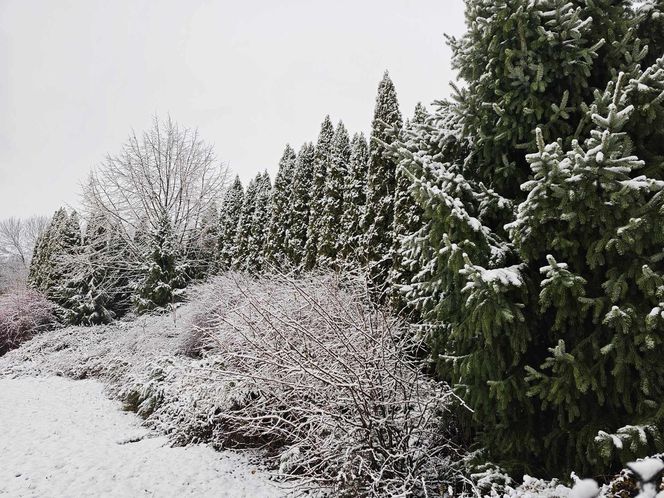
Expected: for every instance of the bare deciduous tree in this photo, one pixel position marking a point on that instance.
(167, 171)
(17, 242)
(18, 237)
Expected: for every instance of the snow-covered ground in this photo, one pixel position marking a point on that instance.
(65, 438)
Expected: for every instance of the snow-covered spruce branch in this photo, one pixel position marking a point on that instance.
(323, 381)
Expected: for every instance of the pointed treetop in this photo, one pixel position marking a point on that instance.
(420, 114)
(326, 132)
(341, 132)
(289, 153)
(237, 182)
(387, 106)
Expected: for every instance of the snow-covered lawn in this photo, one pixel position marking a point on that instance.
(65, 438)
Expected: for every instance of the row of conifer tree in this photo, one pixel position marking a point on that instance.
(332, 206)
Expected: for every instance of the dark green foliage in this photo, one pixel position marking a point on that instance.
(300, 204)
(229, 218)
(329, 243)
(651, 29)
(407, 221)
(526, 66)
(164, 275)
(322, 158)
(537, 259)
(243, 232)
(381, 185)
(611, 21)
(279, 232)
(598, 249)
(354, 199)
(255, 261)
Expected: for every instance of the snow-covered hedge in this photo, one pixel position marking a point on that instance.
(322, 379)
(22, 315)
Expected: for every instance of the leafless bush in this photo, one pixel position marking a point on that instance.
(319, 378)
(22, 315)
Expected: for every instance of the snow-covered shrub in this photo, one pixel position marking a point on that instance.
(321, 379)
(145, 397)
(22, 315)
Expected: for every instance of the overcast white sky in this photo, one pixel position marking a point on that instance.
(252, 75)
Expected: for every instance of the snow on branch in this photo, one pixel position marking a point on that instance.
(323, 381)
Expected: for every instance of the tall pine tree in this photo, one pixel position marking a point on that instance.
(354, 199)
(300, 204)
(229, 217)
(163, 272)
(243, 232)
(322, 158)
(381, 184)
(256, 248)
(57, 247)
(333, 199)
(279, 231)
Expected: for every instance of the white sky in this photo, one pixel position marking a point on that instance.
(252, 75)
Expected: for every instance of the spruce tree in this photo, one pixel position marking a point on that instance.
(597, 246)
(611, 21)
(354, 199)
(329, 243)
(527, 307)
(163, 274)
(381, 183)
(651, 28)
(300, 204)
(52, 252)
(95, 274)
(66, 246)
(60, 243)
(243, 232)
(229, 217)
(526, 66)
(279, 231)
(39, 262)
(322, 158)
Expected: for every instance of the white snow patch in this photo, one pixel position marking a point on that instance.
(506, 276)
(65, 438)
(585, 488)
(647, 469)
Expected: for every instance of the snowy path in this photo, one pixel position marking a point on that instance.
(63, 438)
